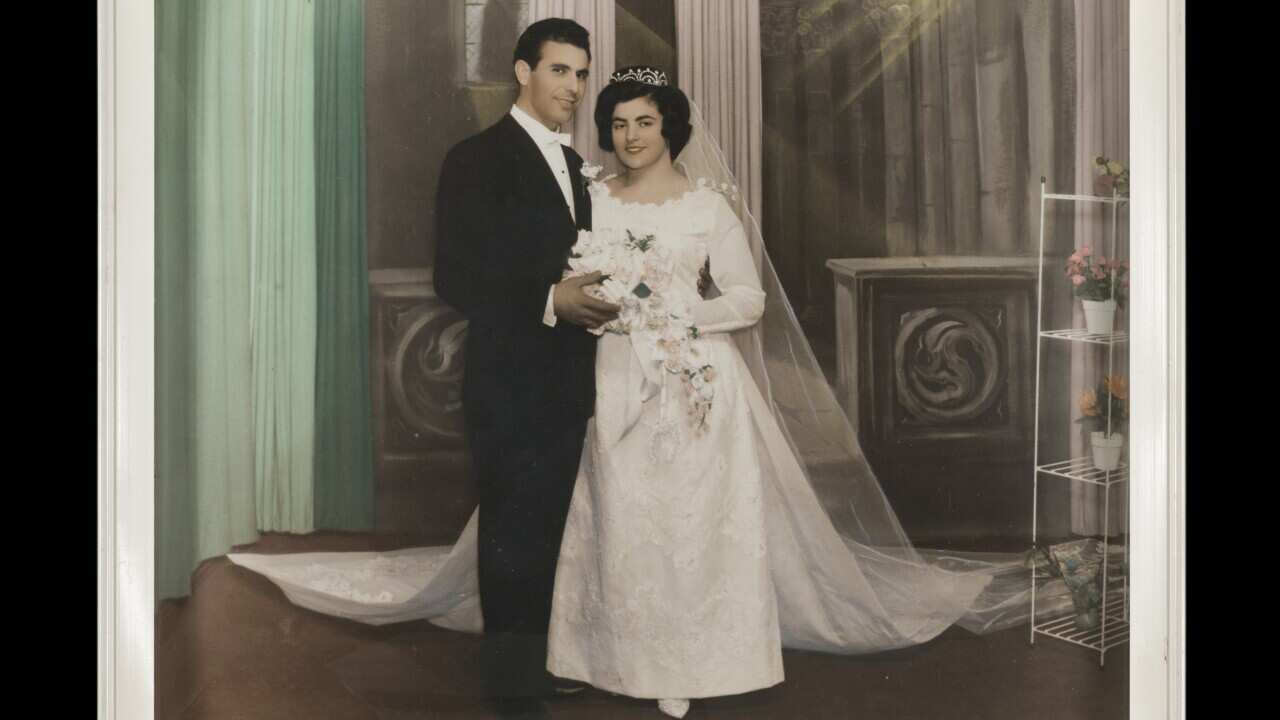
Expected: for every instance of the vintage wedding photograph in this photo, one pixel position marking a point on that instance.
(640, 359)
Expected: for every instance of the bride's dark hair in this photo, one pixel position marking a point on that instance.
(672, 104)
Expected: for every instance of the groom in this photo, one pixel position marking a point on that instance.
(511, 201)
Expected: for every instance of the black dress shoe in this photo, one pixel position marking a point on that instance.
(563, 687)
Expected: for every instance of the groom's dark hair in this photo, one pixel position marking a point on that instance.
(672, 104)
(561, 30)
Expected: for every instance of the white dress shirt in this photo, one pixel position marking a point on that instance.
(549, 142)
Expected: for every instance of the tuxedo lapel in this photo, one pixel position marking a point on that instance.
(581, 199)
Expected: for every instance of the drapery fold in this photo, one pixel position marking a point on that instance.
(282, 207)
(344, 441)
(260, 212)
(718, 46)
(1102, 127)
(205, 497)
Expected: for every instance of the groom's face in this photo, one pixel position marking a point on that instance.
(555, 87)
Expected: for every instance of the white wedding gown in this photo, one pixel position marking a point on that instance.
(685, 578)
(663, 587)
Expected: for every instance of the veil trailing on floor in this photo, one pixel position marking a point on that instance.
(847, 577)
(920, 585)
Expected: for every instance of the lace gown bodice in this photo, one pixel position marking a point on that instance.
(695, 226)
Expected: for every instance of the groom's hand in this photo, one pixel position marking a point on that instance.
(573, 304)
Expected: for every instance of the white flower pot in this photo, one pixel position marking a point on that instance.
(1106, 450)
(1099, 315)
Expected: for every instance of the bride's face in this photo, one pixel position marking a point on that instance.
(637, 133)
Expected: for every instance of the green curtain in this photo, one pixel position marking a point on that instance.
(282, 193)
(344, 443)
(261, 311)
(204, 417)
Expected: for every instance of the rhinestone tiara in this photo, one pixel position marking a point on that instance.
(640, 73)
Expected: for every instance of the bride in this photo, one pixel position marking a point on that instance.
(698, 542)
(662, 586)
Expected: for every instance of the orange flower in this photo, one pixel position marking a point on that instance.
(1118, 385)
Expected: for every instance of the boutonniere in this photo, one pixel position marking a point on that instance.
(590, 172)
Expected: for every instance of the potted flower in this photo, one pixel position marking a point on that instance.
(1106, 413)
(1111, 177)
(1102, 284)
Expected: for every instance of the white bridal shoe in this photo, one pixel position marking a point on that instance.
(674, 708)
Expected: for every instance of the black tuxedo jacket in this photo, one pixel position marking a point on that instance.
(503, 239)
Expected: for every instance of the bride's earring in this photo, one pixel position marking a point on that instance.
(674, 708)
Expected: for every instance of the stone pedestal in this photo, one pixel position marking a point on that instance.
(936, 363)
(422, 467)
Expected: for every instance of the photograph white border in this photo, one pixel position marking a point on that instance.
(126, 359)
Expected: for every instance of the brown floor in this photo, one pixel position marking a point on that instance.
(236, 648)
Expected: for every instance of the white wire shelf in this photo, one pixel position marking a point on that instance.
(1082, 335)
(1081, 469)
(1101, 638)
(1088, 198)
(1113, 628)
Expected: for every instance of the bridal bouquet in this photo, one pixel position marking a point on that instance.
(638, 272)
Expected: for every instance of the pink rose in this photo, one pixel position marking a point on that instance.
(1077, 280)
(1075, 257)
(1086, 251)
(1098, 274)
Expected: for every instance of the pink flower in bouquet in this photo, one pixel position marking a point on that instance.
(1086, 251)
(1077, 280)
(1098, 274)
(709, 374)
(1076, 257)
